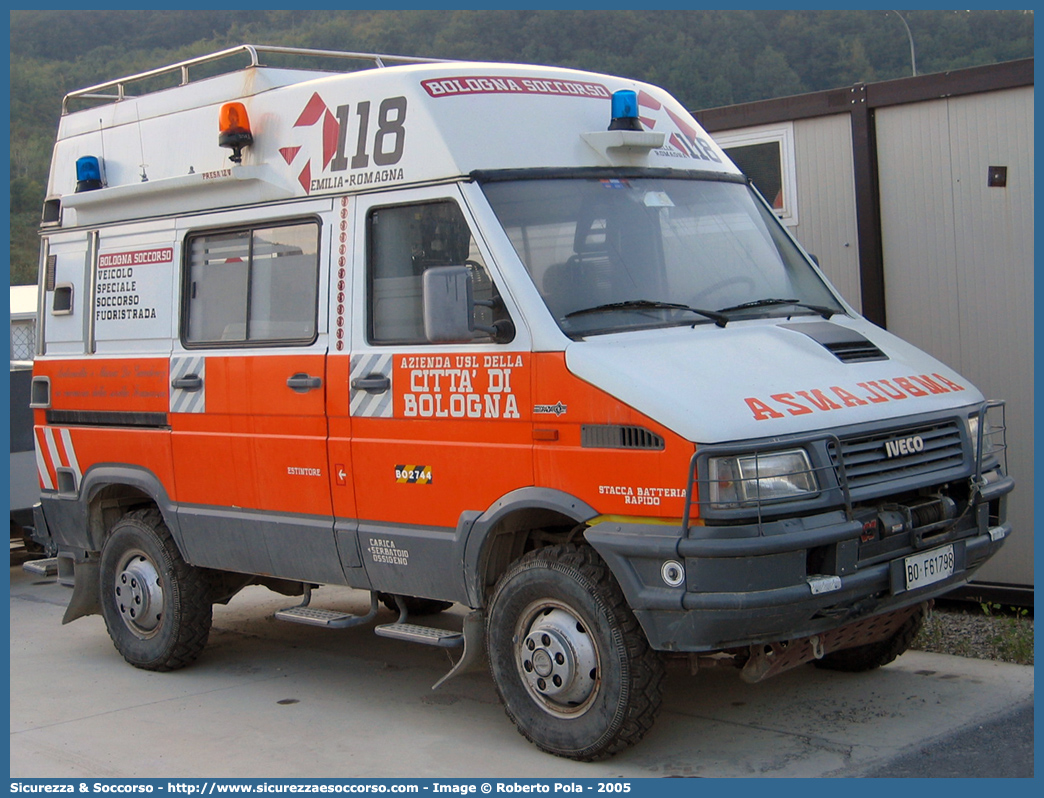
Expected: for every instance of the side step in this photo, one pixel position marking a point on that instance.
(48, 567)
(312, 616)
(471, 638)
(412, 633)
(330, 619)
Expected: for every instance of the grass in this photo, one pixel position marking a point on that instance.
(985, 631)
(1013, 634)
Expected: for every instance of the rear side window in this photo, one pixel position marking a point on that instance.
(252, 286)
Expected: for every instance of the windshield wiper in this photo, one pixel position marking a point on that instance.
(823, 311)
(647, 304)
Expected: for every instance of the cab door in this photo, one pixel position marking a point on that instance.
(248, 390)
(438, 430)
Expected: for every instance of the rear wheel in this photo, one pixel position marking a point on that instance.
(569, 660)
(874, 655)
(157, 608)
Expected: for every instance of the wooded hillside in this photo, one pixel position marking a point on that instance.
(705, 58)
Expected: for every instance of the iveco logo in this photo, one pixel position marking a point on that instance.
(904, 446)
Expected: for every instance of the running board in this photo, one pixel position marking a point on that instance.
(48, 567)
(471, 638)
(330, 619)
(412, 633)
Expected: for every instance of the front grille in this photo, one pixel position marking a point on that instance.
(867, 461)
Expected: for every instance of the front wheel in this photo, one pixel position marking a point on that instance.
(157, 608)
(569, 660)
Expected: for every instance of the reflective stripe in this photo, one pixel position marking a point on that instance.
(370, 405)
(52, 449)
(188, 401)
(41, 464)
(60, 451)
(70, 454)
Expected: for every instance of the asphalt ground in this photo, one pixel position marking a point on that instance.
(278, 700)
(1002, 748)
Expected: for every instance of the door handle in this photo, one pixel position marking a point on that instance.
(303, 383)
(372, 383)
(190, 382)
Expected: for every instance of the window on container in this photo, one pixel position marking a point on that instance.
(23, 339)
(766, 156)
(762, 164)
(256, 286)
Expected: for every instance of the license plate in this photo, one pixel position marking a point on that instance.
(929, 567)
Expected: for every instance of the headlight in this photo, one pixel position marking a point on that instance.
(747, 480)
(990, 447)
(973, 433)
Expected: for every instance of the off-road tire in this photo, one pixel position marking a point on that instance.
(157, 608)
(415, 606)
(874, 655)
(566, 601)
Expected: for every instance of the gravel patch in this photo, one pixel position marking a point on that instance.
(965, 631)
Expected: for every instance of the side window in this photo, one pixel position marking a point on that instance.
(252, 286)
(406, 240)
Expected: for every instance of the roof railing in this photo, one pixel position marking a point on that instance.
(102, 91)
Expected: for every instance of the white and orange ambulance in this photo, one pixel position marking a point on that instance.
(513, 337)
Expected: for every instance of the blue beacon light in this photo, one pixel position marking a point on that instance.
(88, 174)
(625, 111)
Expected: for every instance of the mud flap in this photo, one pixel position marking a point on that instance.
(86, 597)
(474, 626)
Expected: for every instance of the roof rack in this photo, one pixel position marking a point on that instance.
(120, 84)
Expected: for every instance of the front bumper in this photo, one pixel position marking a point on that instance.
(804, 580)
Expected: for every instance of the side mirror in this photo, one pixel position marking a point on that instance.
(449, 308)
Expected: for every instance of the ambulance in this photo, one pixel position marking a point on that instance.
(516, 338)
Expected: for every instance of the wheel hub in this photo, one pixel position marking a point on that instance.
(558, 661)
(542, 662)
(139, 594)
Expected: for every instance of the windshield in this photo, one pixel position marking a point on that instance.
(609, 255)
